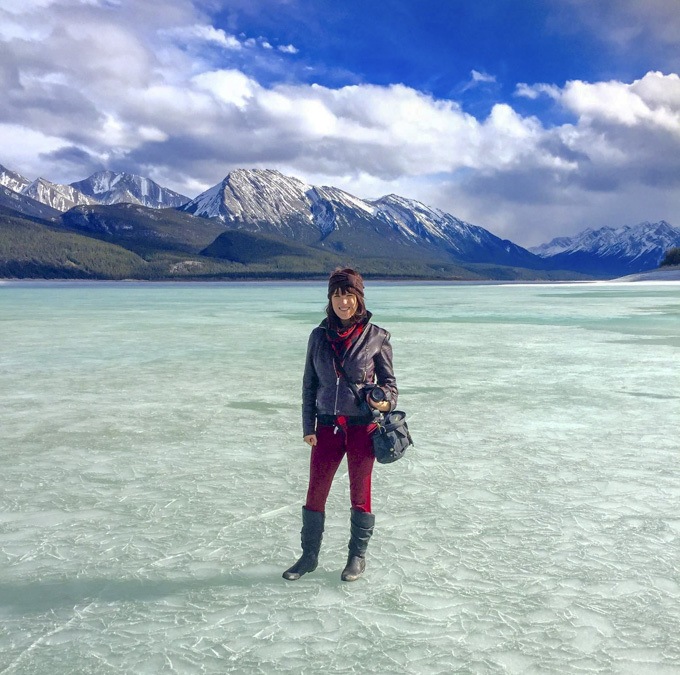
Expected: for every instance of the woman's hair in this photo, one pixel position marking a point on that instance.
(346, 280)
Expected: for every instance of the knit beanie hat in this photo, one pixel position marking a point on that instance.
(344, 279)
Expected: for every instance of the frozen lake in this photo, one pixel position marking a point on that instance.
(152, 473)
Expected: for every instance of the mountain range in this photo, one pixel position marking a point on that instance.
(610, 251)
(267, 202)
(258, 221)
(102, 187)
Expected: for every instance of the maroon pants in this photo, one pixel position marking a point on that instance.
(326, 456)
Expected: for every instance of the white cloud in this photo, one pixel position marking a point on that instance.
(24, 156)
(534, 91)
(618, 162)
(653, 100)
(11, 29)
(138, 98)
(478, 76)
(206, 34)
(26, 6)
(229, 86)
(209, 35)
(154, 134)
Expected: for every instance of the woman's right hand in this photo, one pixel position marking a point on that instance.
(310, 439)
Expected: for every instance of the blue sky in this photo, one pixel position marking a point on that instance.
(532, 118)
(432, 46)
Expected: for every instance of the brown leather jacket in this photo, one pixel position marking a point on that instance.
(368, 361)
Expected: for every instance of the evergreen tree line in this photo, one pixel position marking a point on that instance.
(672, 257)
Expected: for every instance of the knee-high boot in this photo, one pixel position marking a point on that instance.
(361, 529)
(310, 535)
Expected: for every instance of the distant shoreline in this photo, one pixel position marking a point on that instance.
(670, 274)
(47, 283)
(658, 275)
(370, 281)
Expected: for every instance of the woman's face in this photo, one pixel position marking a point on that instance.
(344, 305)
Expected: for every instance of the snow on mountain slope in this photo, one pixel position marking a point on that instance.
(264, 200)
(411, 218)
(103, 187)
(623, 250)
(472, 243)
(60, 197)
(336, 210)
(26, 206)
(629, 241)
(257, 195)
(267, 201)
(108, 187)
(13, 180)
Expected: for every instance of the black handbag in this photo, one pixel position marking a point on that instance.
(391, 437)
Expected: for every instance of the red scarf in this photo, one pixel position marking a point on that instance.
(341, 340)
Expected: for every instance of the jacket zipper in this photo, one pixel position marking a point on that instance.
(335, 407)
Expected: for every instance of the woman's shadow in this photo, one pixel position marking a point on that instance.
(30, 597)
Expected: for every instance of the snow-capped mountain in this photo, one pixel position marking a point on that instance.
(23, 205)
(263, 201)
(60, 197)
(258, 200)
(266, 201)
(108, 187)
(103, 187)
(13, 180)
(463, 240)
(612, 251)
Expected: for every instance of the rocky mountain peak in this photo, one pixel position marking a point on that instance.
(109, 187)
(60, 197)
(613, 250)
(626, 240)
(262, 196)
(13, 180)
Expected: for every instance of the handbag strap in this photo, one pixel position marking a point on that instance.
(377, 414)
(350, 384)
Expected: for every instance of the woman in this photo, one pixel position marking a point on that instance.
(334, 424)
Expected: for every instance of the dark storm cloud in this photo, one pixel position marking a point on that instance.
(58, 109)
(74, 159)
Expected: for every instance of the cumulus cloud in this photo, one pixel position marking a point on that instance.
(230, 87)
(620, 157)
(141, 100)
(627, 128)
